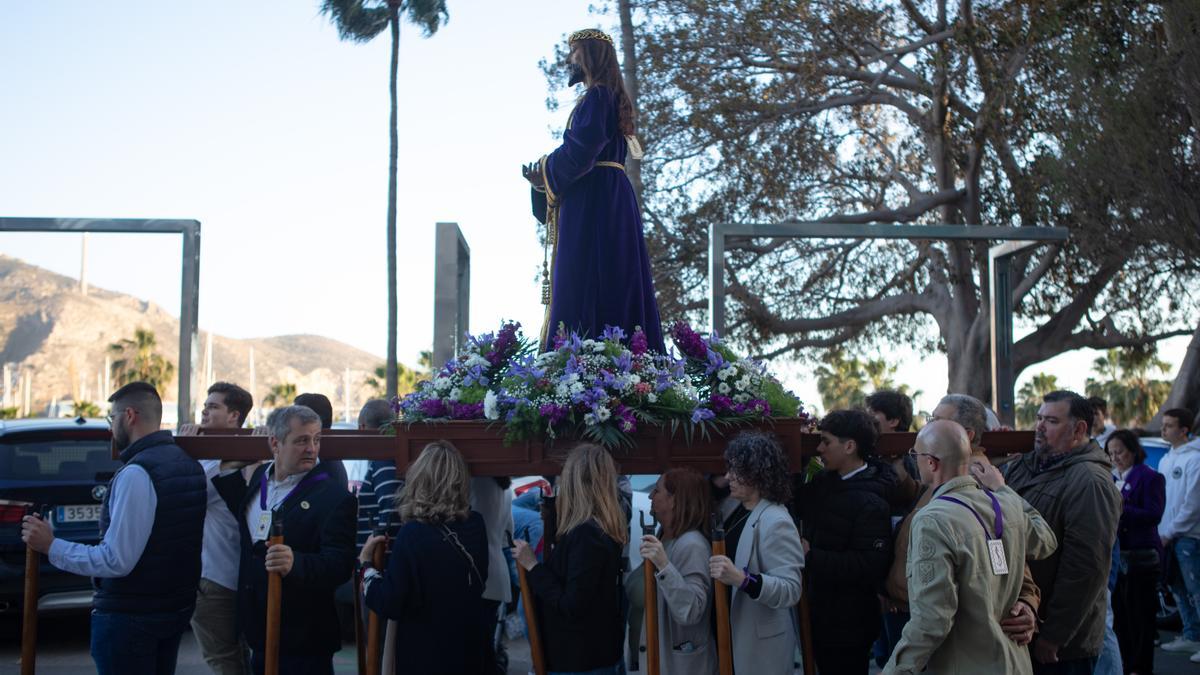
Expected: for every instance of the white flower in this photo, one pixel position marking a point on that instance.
(723, 388)
(743, 383)
(723, 374)
(576, 387)
(442, 383)
(477, 360)
(741, 398)
(455, 394)
(490, 406)
(635, 379)
(589, 419)
(562, 390)
(652, 397)
(603, 414)
(598, 347)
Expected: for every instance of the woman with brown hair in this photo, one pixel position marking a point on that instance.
(681, 500)
(577, 590)
(596, 271)
(436, 571)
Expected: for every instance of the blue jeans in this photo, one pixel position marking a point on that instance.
(133, 644)
(1109, 662)
(1186, 588)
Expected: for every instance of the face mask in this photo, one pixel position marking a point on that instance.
(576, 72)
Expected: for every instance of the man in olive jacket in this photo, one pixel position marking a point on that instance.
(959, 591)
(1068, 479)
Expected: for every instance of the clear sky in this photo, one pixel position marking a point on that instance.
(253, 118)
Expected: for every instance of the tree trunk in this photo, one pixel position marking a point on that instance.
(394, 20)
(629, 67)
(1185, 391)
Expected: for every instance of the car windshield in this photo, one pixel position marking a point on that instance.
(81, 460)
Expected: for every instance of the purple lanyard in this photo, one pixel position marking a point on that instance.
(995, 507)
(310, 480)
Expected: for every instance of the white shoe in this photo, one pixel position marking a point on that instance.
(1181, 644)
(1195, 658)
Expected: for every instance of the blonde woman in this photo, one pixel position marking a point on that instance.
(436, 571)
(578, 589)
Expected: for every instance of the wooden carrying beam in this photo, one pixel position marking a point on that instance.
(481, 443)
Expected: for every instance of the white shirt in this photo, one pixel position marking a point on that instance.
(277, 491)
(1181, 469)
(219, 555)
(856, 471)
(131, 505)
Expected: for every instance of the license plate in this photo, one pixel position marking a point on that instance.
(77, 514)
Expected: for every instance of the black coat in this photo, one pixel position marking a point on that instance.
(430, 589)
(319, 526)
(847, 524)
(578, 594)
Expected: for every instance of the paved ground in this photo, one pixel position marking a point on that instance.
(63, 650)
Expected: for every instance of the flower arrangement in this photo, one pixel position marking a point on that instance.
(463, 388)
(600, 389)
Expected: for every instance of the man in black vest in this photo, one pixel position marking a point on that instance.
(146, 567)
(317, 555)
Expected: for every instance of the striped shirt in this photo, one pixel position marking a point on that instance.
(378, 494)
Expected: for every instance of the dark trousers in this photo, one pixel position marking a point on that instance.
(834, 659)
(294, 664)
(1135, 606)
(489, 615)
(1074, 667)
(133, 644)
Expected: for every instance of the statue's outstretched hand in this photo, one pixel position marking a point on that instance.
(532, 172)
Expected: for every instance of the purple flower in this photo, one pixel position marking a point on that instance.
(624, 418)
(553, 413)
(638, 344)
(701, 414)
(475, 376)
(721, 403)
(623, 361)
(465, 411)
(715, 362)
(432, 407)
(612, 333)
(689, 341)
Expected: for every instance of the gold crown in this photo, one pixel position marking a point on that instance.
(590, 34)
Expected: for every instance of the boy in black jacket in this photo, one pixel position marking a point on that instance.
(846, 534)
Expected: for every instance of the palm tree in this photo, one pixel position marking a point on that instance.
(138, 360)
(280, 395)
(361, 21)
(86, 409)
(1029, 398)
(1124, 380)
(407, 379)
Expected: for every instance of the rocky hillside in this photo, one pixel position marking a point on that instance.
(60, 337)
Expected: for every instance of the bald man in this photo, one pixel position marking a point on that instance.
(965, 558)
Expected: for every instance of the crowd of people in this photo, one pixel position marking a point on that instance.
(934, 561)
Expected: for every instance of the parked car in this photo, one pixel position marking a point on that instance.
(65, 464)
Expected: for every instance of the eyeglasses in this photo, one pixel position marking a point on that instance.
(913, 452)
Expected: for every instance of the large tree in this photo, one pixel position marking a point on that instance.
(961, 113)
(361, 21)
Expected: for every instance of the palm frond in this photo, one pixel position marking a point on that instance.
(429, 15)
(355, 20)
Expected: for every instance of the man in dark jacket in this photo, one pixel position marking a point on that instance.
(845, 521)
(1068, 479)
(146, 567)
(318, 550)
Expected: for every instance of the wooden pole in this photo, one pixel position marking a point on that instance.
(531, 625)
(652, 656)
(359, 645)
(33, 561)
(806, 638)
(274, 599)
(724, 633)
(374, 627)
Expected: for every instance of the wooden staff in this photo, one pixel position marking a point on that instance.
(724, 634)
(359, 645)
(33, 562)
(531, 626)
(651, 602)
(274, 600)
(374, 631)
(806, 639)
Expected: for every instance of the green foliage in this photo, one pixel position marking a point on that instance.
(1124, 379)
(9, 413)
(281, 394)
(406, 381)
(1029, 398)
(138, 360)
(844, 381)
(87, 409)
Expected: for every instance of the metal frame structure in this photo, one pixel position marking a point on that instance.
(451, 292)
(1017, 240)
(189, 300)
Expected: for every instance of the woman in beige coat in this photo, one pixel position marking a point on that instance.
(765, 559)
(682, 501)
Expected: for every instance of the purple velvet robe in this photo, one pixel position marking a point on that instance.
(601, 272)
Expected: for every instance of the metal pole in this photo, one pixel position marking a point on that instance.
(451, 292)
(189, 312)
(716, 278)
(1003, 379)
